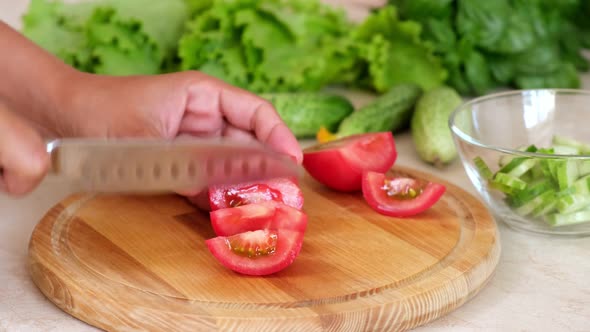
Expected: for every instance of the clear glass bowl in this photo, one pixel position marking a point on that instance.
(498, 127)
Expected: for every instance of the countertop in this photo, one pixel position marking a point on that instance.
(541, 282)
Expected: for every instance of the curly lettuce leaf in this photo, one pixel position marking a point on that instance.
(59, 29)
(395, 53)
(161, 22)
(275, 45)
(108, 36)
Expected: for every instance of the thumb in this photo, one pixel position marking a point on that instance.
(24, 160)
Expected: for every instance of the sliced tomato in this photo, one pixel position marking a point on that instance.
(251, 217)
(260, 252)
(399, 196)
(285, 190)
(339, 164)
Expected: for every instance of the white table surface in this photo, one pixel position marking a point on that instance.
(541, 283)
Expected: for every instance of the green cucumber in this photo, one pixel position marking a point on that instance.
(564, 149)
(537, 171)
(483, 169)
(582, 185)
(572, 203)
(504, 160)
(518, 166)
(583, 167)
(536, 204)
(566, 172)
(545, 209)
(306, 112)
(560, 219)
(556, 190)
(430, 130)
(570, 143)
(530, 192)
(509, 181)
(390, 111)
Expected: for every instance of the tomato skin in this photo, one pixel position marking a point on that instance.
(285, 190)
(321, 167)
(288, 247)
(251, 217)
(379, 201)
(340, 164)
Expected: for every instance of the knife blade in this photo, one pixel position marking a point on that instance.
(154, 165)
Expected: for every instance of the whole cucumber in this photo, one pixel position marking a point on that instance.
(429, 126)
(306, 112)
(390, 111)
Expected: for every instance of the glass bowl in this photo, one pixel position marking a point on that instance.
(527, 152)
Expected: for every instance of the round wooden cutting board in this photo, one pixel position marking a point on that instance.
(124, 263)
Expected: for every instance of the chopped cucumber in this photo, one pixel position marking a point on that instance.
(583, 167)
(520, 166)
(581, 186)
(555, 190)
(567, 172)
(504, 160)
(483, 169)
(559, 219)
(509, 181)
(530, 192)
(538, 203)
(564, 149)
(571, 143)
(572, 203)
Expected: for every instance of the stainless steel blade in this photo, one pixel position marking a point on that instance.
(144, 165)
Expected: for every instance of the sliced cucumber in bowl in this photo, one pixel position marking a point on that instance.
(555, 190)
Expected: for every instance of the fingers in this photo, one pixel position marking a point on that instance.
(202, 124)
(245, 111)
(260, 117)
(23, 156)
(237, 133)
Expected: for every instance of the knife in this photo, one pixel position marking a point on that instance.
(154, 165)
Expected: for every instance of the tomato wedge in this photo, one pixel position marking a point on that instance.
(285, 190)
(339, 164)
(399, 196)
(251, 217)
(259, 252)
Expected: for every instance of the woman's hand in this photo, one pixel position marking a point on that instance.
(23, 157)
(184, 103)
(170, 105)
(60, 101)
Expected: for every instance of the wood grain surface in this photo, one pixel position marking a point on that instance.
(139, 263)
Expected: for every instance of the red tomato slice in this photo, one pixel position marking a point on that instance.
(399, 197)
(251, 217)
(284, 190)
(259, 252)
(340, 164)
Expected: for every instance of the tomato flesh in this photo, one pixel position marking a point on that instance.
(250, 217)
(340, 164)
(252, 194)
(259, 252)
(284, 190)
(399, 196)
